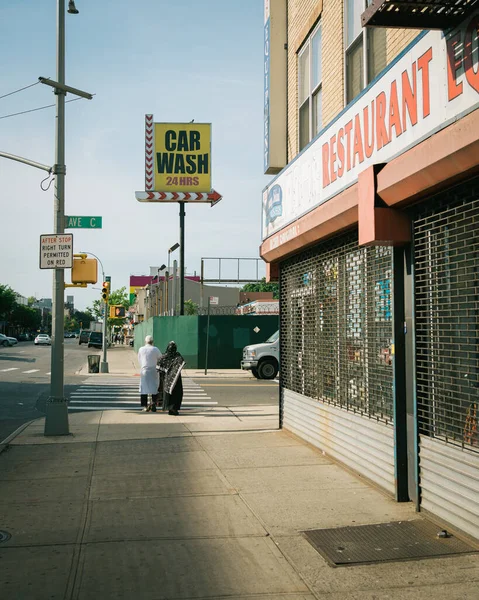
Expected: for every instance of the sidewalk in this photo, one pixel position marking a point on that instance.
(207, 505)
(122, 361)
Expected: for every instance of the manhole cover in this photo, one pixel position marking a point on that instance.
(4, 536)
(403, 540)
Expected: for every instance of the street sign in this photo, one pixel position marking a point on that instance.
(83, 222)
(212, 197)
(56, 251)
(214, 299)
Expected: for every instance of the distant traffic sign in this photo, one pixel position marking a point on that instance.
(83, 222)
(56, 251)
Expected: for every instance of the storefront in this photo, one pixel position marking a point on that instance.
(373, 233)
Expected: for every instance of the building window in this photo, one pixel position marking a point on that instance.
(365, 49)
(309, 88)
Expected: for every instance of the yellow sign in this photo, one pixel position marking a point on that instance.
(182, 157)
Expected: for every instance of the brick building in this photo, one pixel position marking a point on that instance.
(370, 225)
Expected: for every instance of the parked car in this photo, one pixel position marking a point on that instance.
(44, 339)
(23, 337)
(7, 341)
(84, 336)
(262, 359)
(95, 340)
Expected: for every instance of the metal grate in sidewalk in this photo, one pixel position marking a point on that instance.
(402, 540)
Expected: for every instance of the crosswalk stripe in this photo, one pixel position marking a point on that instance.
(123, 394)
(31, 371)
(10, 369)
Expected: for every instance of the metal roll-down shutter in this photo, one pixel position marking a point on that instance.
(336, 353)
(446, 254)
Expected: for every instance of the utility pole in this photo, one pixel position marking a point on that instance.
(56, 417)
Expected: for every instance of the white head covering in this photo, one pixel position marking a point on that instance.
(148, 339)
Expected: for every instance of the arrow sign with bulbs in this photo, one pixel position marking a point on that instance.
(212, 197)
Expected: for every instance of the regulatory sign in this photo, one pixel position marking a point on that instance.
(56, 251)
(181, 157)
(83, 222)
(214, 299)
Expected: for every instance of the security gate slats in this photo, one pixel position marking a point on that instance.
(336, 349)
(446, 253)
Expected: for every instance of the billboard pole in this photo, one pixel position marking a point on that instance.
(182, 258)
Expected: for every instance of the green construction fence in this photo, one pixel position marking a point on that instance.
(228, 335)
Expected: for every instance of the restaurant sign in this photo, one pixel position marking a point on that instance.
(432, 84)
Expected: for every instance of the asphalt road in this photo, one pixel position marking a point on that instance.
(25, 383)
(25, 380)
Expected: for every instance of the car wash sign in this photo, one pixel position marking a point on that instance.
(431, 85)
(180, 157)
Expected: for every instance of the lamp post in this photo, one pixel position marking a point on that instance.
(162, 268)
(170, 250)
(56, 414)
(104, 362)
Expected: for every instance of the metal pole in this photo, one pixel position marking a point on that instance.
(175, 287)
(56, 417)
(104, 363)
(182, 258)
(202, 276)
(207, 337)
(168, 286)
(167, 293)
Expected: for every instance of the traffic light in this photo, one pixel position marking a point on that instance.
(117, 312)
(105, 291)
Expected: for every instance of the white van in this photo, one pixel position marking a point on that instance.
(262, 359)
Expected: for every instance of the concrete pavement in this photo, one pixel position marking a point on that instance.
(207, 505)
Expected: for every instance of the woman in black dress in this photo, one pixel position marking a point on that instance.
(171, 364)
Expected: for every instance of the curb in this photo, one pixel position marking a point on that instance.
(4, 443)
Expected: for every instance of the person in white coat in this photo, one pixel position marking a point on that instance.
(148, 356)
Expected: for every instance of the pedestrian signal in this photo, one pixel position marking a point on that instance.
(117, 312)
(105, 291)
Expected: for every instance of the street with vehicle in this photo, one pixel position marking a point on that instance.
(262, 359)
(7, 341)
(43, 338)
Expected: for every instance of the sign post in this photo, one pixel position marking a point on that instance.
(211, 300)
(178, 169)
(104, 362)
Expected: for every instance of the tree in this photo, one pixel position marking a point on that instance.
(262, 286)
(82, 318)
(117, 298)
(26, 318)
(8, 300)
(191, 308)
(31, 300)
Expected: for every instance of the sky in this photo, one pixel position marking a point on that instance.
(181, 60)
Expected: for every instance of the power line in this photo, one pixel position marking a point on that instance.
(24, 112)
(19, 90)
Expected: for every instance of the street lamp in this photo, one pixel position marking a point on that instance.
(104, 362)
(170, 250)
(72, 9)
(162, 268)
